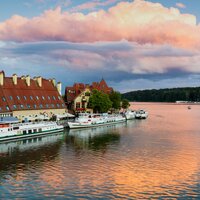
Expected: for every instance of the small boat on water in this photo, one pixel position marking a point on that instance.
(11, 129)
(130, 114)
(86, 120)
(141, 114)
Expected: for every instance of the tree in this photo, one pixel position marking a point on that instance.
(115, 97)
(99, 102)
(125, 104)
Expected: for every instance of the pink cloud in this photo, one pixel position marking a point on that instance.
(92, 5)
(180, 5)
(138, 21)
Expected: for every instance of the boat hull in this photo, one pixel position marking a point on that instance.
(16, 137)
(76, 125)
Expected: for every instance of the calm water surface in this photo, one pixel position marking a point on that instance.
(156, 158)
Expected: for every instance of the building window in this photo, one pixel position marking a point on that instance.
(41, 106)
(49, 97)
(14, 107)
(22, 106)
(28, 106)
(11, 98)
(3, 98)
(18, 97)
(58, 105)
(78, 105)
(59, 97)
(43, 98)
(24, 97)
(7, 108)
(54, 98)
(37, 97)
(52, 105)
(31, 97)
(35, 106)
(63, 105)
(0, 108)
(47, 105)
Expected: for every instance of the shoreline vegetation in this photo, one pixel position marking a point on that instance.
(171, 95)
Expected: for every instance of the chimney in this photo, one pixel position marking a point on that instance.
(28, 80)
(39, 81)
(54, 82)
(2, 75)
(14, 77)
(23, 77)
(59, 87)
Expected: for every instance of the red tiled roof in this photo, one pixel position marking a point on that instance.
(24, 97)
(72, 92)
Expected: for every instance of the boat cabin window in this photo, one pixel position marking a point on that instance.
(15, 128)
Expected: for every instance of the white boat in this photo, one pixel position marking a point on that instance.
(91, 120)
(130, 114)
(141, 114)
(11, 129)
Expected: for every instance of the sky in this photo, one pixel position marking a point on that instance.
(132, 44)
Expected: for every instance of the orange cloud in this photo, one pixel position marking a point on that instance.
(138, 21)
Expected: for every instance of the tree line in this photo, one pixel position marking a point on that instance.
(164, 95)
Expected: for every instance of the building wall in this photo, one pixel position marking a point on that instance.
(82, 99)
(22, 114)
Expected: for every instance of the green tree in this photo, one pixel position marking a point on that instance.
(99, 102)
(125, 104)
(115, 97)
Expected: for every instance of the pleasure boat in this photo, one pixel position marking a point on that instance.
(130, 114)
(11, 129)
(86, 120)
(141, 114)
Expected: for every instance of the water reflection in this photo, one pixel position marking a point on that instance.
(36, 149)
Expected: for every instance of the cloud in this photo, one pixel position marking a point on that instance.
(139, 21)
(92, 5)
(180, 5)
(109, 57)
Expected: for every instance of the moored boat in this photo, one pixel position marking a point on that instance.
(91, 120)
(11, 130)
(130, 114)
(141, 114)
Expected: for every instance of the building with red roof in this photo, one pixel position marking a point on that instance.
(77, 96)
(27, 98)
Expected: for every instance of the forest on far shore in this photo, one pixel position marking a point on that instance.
(164, 95)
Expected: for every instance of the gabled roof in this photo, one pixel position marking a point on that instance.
(20, 96)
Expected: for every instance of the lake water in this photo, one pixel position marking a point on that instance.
(141, 159)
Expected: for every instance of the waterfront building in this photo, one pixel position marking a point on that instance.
(30, 99)
(77, 96)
